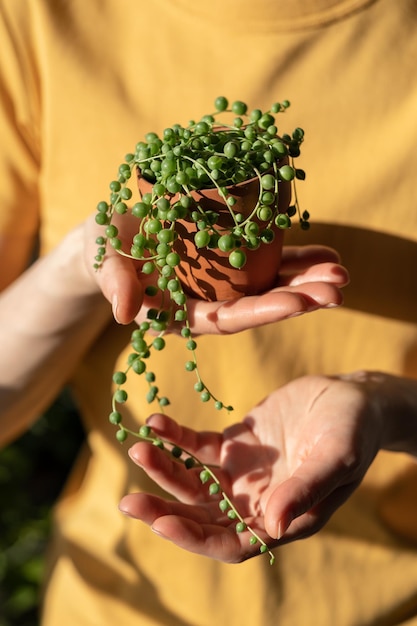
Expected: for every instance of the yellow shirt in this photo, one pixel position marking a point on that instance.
(80, 84)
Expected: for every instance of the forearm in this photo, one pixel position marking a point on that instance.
(394, 399)
(49, 318)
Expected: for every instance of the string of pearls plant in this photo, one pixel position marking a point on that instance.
(207, 477)
(204, 154)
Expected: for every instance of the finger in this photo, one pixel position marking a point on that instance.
(317, 479)
(149, 508)
(314, 290)
(169, 473)
(313, 520)
(270, 307)
(205, 445)
(121, 286)
(195, 528)
(189, 527)
(331, 273)
(211, 540)
(298, 257)
(117, 276)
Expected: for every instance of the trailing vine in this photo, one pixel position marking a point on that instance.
(202, 155)
(207, 477)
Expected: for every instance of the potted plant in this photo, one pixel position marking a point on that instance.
(215, 198)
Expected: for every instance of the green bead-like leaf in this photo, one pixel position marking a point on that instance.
(224, 505)
(176, 452)
(121, 435)
(145, 431)
(204, 476)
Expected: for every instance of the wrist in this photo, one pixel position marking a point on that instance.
(72, 276)
(394, 403)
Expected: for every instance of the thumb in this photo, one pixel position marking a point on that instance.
(119, 282)
(303, 503)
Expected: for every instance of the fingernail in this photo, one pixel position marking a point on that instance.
(296, 314)
(283, 525)
(133, 456)
(124, 511)
(114, 305)
(157, 532)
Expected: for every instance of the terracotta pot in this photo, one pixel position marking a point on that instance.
(206, 273)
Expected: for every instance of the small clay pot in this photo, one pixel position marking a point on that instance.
(206, 273)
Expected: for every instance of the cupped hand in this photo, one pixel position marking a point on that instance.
(311, 278)
(293, 460)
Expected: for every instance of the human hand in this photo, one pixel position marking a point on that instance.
(311, 277)
(293, 460)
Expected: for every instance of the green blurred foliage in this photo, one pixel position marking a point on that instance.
(33, 470)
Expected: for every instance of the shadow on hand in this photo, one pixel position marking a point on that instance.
(249, 465)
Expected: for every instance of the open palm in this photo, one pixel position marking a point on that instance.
(287, 467)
